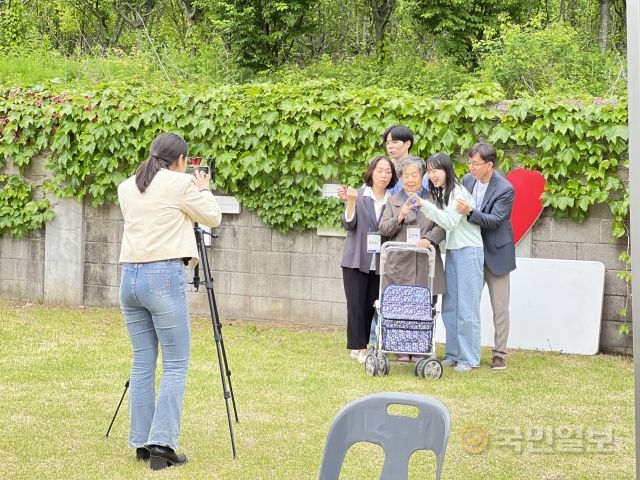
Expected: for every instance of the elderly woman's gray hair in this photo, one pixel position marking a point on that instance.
(412, 160)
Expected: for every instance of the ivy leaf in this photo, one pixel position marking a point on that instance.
(617, 131)
(546, 144)
(500, 133)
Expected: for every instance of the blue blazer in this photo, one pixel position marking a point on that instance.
(494, 218)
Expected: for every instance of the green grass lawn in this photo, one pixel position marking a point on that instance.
(62, 372)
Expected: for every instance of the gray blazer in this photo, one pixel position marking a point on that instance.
(494, 218)
(354, 253)
(410, 268)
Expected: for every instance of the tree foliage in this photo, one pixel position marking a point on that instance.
(458, 23)
(15, 30)
(531, 60)
(261, 33)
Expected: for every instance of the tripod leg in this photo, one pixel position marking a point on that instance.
(224, 356)
(216, 330)
(126, 386)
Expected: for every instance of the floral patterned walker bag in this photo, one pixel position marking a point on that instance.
(407, 322)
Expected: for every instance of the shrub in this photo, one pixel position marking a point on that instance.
(440, 79)
(530, 60)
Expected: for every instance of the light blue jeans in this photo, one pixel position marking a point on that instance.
(464, 274)
(154, 304)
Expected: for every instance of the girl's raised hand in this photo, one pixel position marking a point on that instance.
(416, 200)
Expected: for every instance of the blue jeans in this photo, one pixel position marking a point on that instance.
(464, 274)
(154, 304)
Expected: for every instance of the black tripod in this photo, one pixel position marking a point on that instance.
(225, 373)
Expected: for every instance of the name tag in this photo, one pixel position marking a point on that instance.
(413, 235)
(373, 242)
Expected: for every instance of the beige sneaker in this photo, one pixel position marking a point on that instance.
(362, 356)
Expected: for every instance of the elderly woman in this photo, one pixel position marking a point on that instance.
(360, 258)
(403, 221)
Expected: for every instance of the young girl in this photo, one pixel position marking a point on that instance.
(463, 267)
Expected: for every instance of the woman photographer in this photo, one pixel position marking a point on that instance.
(159, 205)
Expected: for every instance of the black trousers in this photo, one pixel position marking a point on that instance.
(361, 290)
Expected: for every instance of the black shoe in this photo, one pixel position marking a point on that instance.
(142, 453)
(163, 457)
(498, 363)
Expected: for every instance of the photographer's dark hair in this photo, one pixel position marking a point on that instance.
(398, 132)
(372, 166)
(486, 150)
(442, 161)
(166, 149)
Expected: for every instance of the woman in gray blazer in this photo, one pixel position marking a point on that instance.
(360, 257)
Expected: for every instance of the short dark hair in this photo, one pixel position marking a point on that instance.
(486, 151)
(372, 166)
(398, 132)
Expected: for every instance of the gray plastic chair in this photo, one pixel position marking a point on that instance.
(367, 420)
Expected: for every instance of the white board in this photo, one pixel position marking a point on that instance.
(556, 305)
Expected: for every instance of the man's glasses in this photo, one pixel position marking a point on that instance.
(475, 164)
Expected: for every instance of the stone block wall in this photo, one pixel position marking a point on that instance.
(103, 234)
(22, 267)
(262, 275)
(259, 274)
(591, 240)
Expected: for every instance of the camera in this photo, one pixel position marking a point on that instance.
(204, 169)
(202, 164)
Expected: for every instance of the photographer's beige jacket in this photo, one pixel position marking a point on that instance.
(158, 224)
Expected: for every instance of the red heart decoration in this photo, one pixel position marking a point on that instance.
(527, 207)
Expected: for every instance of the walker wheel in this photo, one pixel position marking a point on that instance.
(417, 368)
(431, 369)
(371, 365)
(383, 365)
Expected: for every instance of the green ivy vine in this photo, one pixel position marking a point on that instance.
(276, 144)
(19, 211)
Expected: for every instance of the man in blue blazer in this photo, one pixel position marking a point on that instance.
(493, 198)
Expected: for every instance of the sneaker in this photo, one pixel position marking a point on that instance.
(448, 362)
(404, 358)
(354, 353)
(462, 368)
(498, 363)
(362, 356)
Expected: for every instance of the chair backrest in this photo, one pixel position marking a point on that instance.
(367, 419)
